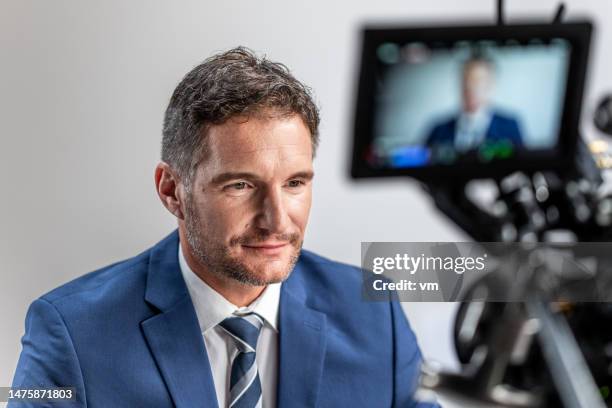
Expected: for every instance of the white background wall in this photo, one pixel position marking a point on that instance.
(83, 86)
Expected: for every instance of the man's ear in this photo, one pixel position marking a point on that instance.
(168, 187)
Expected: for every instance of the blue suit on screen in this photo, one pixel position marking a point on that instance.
(501, 128)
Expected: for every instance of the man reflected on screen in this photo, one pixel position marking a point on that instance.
(478, 122)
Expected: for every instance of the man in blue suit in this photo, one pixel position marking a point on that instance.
(227, 311)
(478, 122)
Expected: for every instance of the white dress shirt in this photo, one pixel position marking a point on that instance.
(472, 129)
(211, 309)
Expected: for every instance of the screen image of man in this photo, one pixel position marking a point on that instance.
(228, 310)
(478, 120)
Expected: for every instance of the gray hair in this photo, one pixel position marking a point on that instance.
(226, 85)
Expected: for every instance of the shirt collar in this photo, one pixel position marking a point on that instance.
(212, 308)
(480, 118)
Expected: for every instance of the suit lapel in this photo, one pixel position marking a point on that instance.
(302, 345)
(174, 335)
(175, 340)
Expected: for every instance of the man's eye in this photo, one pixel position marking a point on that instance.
(238, 186)
(295, 183)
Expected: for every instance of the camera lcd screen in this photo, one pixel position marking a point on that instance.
(449, 105)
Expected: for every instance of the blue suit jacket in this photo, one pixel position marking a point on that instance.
(128, 336)
(501, 128)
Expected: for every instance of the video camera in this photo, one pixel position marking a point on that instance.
(462, 108)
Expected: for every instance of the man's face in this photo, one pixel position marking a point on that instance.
(477, 84)
(247, 211)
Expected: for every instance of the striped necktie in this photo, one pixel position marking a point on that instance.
(245, 388)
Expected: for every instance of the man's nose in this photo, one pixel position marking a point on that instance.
(273, 215)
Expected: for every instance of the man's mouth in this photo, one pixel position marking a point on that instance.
(265, 248)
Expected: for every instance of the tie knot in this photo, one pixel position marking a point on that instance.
(244, 329)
